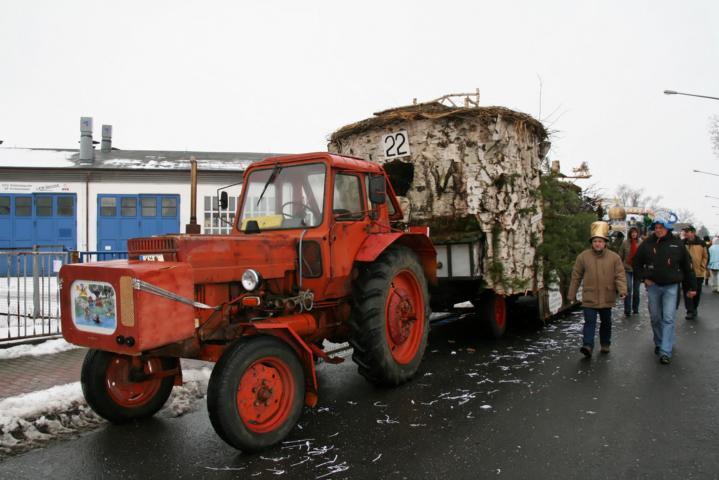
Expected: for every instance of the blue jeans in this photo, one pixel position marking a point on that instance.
(590, 326)
(631, 301)
(663, 311)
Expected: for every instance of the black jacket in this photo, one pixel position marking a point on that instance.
(664, 261)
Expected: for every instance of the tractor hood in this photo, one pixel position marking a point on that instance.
(221, 258)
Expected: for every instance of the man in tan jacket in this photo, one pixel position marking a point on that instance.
(700, 257)
(602, 272)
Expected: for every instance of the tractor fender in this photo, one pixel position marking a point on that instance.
(419, 243)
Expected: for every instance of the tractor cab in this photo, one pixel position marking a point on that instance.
(328, 205)
(297, 192)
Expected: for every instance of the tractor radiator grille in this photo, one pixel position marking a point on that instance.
(144, 246)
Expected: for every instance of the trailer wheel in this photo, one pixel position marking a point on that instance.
(390, 317)
(106, 385)
(255, 393)
(492, 310)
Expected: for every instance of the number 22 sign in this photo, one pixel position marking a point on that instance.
(396, 145)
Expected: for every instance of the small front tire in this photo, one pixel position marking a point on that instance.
(256, 392)
(106, 385)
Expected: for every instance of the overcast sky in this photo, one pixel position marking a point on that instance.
(280, 76)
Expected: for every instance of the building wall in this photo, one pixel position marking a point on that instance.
(88, 185)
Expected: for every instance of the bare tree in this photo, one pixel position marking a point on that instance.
(714, 133)
(634, 197)
(686, 216)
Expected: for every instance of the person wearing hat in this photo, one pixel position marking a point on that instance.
(698, 251)
(626, 253)
(662, 263)
(602, 274)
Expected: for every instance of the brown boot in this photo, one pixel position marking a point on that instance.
(604, 349)
(586, 351)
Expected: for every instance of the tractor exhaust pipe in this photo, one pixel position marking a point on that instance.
(193, 226)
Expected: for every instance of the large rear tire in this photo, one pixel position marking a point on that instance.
(390, 317)
(106, 385)
(255, 394)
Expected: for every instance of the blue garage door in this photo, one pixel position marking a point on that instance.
(38, 219)
(121, 217)
(46, 220)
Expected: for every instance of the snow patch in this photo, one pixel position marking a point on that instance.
(45, 348)
(34, 419)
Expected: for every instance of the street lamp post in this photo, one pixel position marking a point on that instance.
(673, 92)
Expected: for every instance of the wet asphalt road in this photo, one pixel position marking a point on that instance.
(528, 406)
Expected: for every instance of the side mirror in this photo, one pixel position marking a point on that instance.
(377, 189)
(223, 200)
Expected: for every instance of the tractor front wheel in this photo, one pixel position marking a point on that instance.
(390, 317)
(255, 393)
(112, 393)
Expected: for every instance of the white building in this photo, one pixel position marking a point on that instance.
(53, 197)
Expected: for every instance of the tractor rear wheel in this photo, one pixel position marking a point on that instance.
(110, 392)
(255, 393)
(390, 317)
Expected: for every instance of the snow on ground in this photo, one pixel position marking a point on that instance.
(34, 419)
(45, 348)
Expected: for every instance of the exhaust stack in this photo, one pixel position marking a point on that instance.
(106, 145)
(87, 150)
(193, 226)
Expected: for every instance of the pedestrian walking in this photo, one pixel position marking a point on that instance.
(708, 244)
(662, 263)
(714, 264)
(698, 251)
(602, 274)
(626, 253)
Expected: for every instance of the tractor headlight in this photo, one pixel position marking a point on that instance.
(250, 279)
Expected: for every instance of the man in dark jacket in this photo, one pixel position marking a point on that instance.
(662, 263)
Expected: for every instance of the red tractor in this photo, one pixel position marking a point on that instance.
(311, 257)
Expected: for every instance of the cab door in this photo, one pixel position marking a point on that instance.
(348, 229)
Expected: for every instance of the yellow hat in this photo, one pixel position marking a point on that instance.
(600, 229)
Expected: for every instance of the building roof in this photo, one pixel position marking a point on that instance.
(52, 158)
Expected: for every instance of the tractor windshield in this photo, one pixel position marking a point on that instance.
(284, 197)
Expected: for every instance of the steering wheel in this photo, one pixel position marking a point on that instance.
(304, 206)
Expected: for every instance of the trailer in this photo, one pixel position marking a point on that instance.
(472, 175)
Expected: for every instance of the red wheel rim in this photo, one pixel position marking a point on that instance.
(266, 394)
(404, 313)
(131, 394)
(500, 311)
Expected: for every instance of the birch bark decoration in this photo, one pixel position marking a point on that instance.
(465, 172)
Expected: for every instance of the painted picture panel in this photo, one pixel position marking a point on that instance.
(94, 307)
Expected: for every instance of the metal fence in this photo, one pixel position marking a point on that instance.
(29, 294)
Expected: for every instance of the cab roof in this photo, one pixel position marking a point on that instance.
(337, 161)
